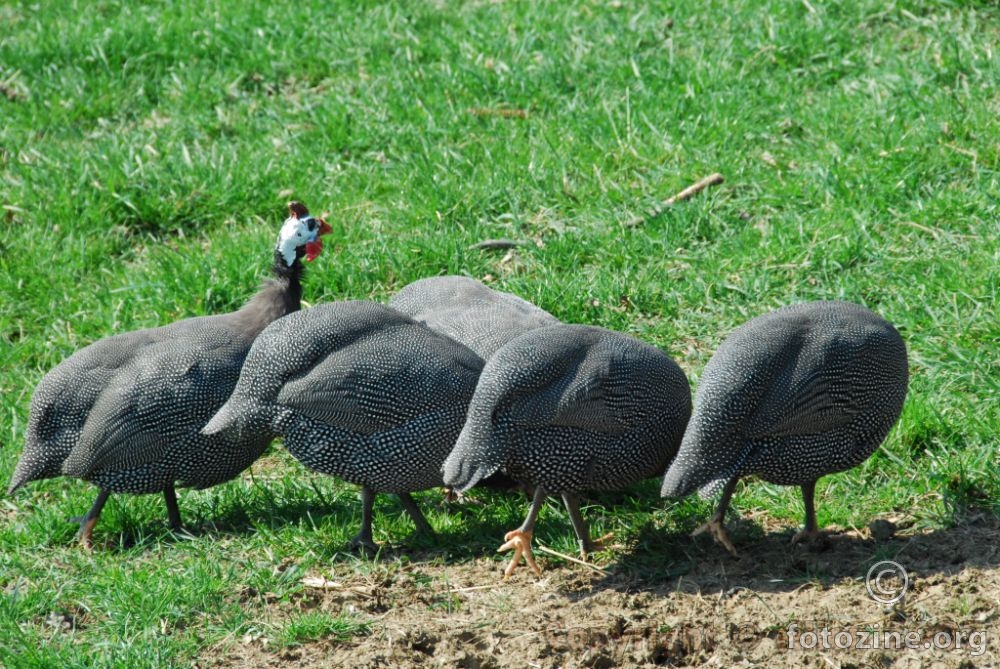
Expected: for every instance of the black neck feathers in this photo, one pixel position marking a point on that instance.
(278, 297)
(282, 270)
(288, 279)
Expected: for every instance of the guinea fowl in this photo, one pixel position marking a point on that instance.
(475, 315)
(792, 395)
(360, 391)
(470, 312)
(125, 413)
(570, 408)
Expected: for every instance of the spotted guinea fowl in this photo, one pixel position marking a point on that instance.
(792, 395)
(125, 412)
(570, 408)
(360, 391)
(470, 312)
(475, 315)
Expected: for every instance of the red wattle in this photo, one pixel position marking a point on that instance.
(313, 249)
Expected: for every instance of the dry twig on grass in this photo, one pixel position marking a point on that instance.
(686, 194)
(570, 558)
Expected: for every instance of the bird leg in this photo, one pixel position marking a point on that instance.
(715, 525)
(410, 505)
(363, 539)
(810, 532)
(88, 521)
(519, 540)
(587, 545)
(173, 511)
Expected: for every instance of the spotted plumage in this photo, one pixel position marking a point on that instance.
(470, 312)
(475, 315)
(792, 395)
(125, 412)
(360, 391)
(570, 408)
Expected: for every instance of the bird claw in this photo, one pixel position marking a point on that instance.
(85, 533)
(595, 545)
(718, 532)
(520, 542)
(816, 539)
(453, 497)
(365, 544)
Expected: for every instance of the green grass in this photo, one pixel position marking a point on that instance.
(317, 625)
(146, 154)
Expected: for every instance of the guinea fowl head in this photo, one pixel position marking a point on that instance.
(300, 235)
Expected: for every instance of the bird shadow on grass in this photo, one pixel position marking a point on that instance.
(469, 528)
(315, 509)
(769, 562)
(130, 524)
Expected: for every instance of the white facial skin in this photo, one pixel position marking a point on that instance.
(295, 233)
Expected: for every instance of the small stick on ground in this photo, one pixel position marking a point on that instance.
(686, 194)
(323, 583)
(546, 549)
(491, 586)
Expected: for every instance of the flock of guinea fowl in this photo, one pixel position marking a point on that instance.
(454, 384)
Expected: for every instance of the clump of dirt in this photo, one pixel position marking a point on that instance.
(775, 605)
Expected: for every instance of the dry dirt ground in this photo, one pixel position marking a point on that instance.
(696, 607)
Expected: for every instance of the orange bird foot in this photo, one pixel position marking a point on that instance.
(718, 532)
(596, 544)
(520, 542)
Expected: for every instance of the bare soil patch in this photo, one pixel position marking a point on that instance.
(694, 606)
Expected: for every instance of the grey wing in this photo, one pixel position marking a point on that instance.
(164, 395)
(384, 379)
(810, 395)
(577, 397)
(333, 393)
(474, 314)
(66, 395)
